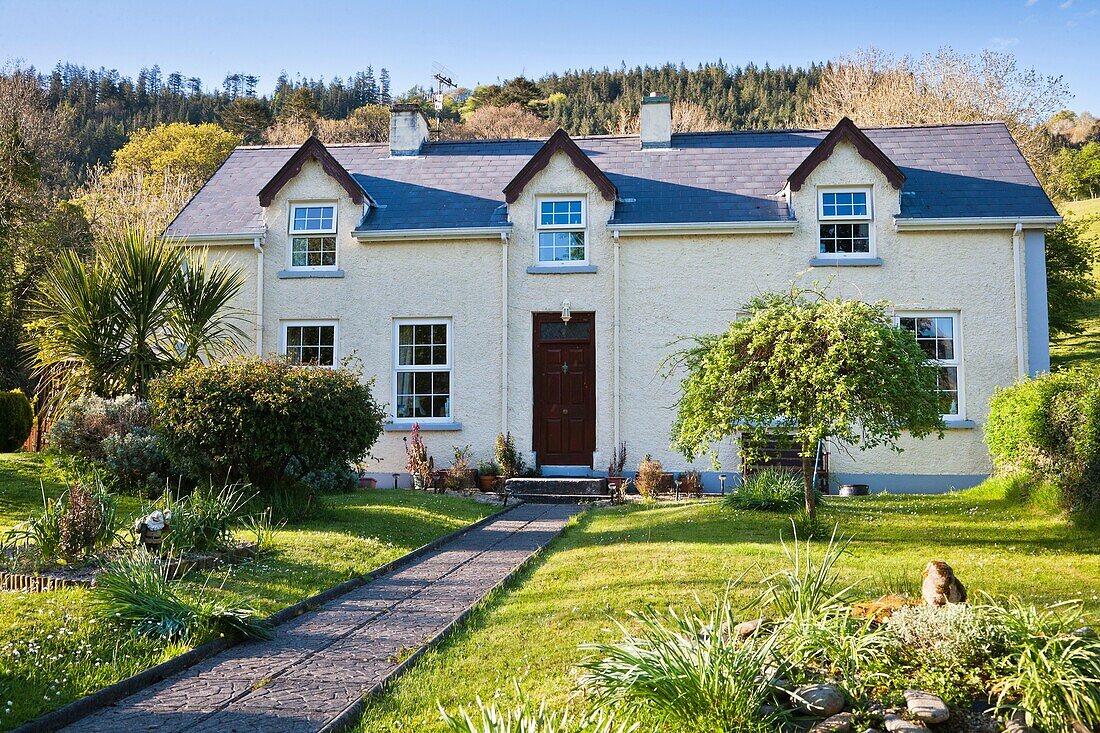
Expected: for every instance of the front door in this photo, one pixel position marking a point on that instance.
(565, 389)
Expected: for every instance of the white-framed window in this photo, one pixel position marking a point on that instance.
(313, 236)
(938, 335)
(845, 217)
(422, 370)
(311, 343)
(561, 224)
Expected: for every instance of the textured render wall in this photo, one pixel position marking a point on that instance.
(243, 258)
(531, 293)
(384, 281)
(970, 272)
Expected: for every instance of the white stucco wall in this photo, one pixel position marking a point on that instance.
(671, 287)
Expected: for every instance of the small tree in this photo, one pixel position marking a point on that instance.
(823, 369)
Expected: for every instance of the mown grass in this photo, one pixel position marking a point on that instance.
(1084, 347)
(624, 558)
(52, 650)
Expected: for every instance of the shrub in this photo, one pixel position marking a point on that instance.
(691, 483)
(204, 520)
(16, 420)
(135, 591)
(508, 458)
(113, 434)
(770, 490)
(417, 461)
(649, 477)
(70, 529)
(1050, 427)
(686, 669)
(268, 421)
(525, 718)
(458, 474)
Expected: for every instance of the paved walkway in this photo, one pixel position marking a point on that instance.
(320, 663)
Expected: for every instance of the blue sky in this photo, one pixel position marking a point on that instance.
(487, 41)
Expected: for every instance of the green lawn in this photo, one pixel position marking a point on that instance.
(1082, 347)
(51, 651)
(624, 558)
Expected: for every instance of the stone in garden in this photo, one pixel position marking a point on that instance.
(939, 586)
(897, 724)
(821, 701)
(839, 723)
(872, 730)
(1017, 723)
(926, 706)
(1085, 632)
(745, 629)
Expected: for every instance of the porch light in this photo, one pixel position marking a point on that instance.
(565, 313)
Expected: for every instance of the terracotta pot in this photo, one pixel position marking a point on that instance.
(487, 483)
(366, 482)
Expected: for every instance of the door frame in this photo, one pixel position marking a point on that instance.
(537, 319)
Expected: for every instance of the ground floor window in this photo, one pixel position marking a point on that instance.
(310, 343)
(938, 335)
(422, 369)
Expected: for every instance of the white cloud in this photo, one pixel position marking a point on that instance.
(1001, 44)
(1066, 5)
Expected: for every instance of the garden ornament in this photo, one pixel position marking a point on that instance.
(939, 586)
(150, 529)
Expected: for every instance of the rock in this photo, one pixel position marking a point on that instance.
(745, 629)
(872, 730)
(926, 706)
(1085, 632)
(1017, 723)
(821, 701)
(839, 723)
(896, 724)
(939, 586)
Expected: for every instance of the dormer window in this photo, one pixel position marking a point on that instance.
(313, 236)
(561, 231)
(845, 216)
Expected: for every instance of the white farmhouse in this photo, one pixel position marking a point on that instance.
(535, 286)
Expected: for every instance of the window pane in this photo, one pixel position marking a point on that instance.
(441, 382)
(404, 383)
(328, 335)
(405, 335)
(422, 355)
(440, 406)
(422, 334)
(439, 334)
(422, 382)
(405, 355)
(439, 355)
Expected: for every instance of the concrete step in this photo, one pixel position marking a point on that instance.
(558, 490)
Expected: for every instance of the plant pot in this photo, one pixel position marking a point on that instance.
(487, 483)
(366, 482)
(854, 490)
(419, 483)
(615, 483)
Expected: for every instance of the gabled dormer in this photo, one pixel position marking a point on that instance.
(312, 149)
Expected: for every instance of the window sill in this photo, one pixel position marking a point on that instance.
(302, 274)
(846, 262)
(959, 424)
(404, 426)
(560, 269)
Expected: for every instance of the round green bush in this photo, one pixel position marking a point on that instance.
(268, 421)
(1050, 427)
(16, 420)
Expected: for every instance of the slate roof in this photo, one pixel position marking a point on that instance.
(972, 170)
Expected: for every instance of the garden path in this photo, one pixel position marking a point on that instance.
(320, 665)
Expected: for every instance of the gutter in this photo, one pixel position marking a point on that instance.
(1018, 286)
(227, 238)
(970, 223)
(788, 226)
(405, 235)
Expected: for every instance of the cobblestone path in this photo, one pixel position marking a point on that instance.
(320, 663)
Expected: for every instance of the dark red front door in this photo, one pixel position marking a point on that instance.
(565, 389)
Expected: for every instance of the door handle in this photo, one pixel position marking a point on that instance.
(565, 412)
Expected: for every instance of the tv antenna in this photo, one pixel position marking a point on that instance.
(444, 80)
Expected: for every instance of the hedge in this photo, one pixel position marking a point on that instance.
(268, 421)
(1049, 426)
(16, 420)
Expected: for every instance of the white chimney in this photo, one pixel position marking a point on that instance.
(408, 130)
(656, 122)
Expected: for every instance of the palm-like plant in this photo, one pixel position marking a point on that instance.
(143, 306)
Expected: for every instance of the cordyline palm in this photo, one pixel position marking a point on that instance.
(142, 307)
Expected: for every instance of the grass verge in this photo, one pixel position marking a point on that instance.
(624, 558)
(52, 651)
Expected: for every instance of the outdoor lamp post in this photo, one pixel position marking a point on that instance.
(722, 479)
(395, 477)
